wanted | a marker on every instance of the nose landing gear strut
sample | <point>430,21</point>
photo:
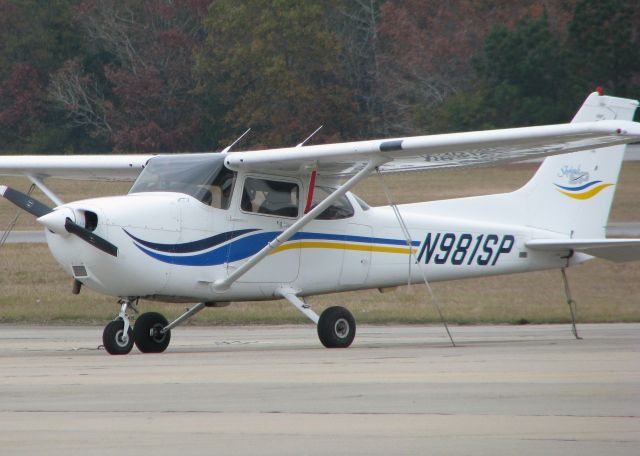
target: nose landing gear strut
<point>117,336</point>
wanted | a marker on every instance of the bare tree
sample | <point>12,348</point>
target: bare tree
<point>81,98</point>
<point>358,28</point>
<point>143,58</point>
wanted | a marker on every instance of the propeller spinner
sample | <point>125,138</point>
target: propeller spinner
<point>58,221</point>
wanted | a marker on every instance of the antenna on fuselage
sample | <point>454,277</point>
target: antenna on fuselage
<point>228,148</point>
<point>310,136</point>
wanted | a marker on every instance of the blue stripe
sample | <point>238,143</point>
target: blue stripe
<point>242,248</point>
<point>577,189</point>
<point>194,246</point>
<point>343,237</point>
<point>234,251</point>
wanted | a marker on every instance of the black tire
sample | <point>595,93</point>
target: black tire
<point>113,341</point>
<point>336,327</point>
<point>147,335</point>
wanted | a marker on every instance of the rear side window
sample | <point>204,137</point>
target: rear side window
<point>270,197</point>
<point>340,209</point>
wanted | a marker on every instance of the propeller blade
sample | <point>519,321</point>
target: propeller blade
<point>91,238</point>
<point>24,201</point>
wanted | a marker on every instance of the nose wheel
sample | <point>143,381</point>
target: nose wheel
<point>117,340</point>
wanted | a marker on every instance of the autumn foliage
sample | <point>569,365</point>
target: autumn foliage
<point>191,75</point>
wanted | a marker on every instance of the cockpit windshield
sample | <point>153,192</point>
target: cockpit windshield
<point>202,176</point>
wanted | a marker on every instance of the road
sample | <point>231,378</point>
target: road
<point>274,390</point>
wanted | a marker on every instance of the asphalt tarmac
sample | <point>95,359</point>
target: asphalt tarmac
<point>523,390</point>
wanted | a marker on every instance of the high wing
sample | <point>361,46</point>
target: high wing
<point>81,167</point>
<point>452,150</point>
<point>602,121</point>
<point>618,250</point>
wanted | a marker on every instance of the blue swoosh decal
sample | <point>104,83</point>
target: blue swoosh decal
<point>234,251</point>
<point>194,246</point>
<point>240,248</point>
<point>577,189</point>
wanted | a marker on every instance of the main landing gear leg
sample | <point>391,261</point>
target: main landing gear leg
<point>336,325</point>
<point>117,336</point>
<point>152,332</point>
<point>571,303</point>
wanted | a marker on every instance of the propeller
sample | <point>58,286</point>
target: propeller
<point>56,220</point>
<point>24,201</point>
<point>87,236</point>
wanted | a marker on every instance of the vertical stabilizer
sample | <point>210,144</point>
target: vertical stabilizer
<point>572,193</point>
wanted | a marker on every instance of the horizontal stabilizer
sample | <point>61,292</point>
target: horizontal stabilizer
<point>610,249</point>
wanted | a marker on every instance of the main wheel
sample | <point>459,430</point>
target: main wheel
<point>336,327</point>
<point>148,335</point>
<point>115,341</point>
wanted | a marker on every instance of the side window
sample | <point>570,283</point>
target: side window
<point>218,194</point>
<point>270,197</point>
<point>340,209</point>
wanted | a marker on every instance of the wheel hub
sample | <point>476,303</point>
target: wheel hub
<point>122,339</point>
<point>341,328</point>
<point>156,333</point>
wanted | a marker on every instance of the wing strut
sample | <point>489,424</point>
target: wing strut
<point>224,284</point>
<point>46,190</point>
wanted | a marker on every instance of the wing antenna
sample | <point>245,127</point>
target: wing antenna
<point>310,136</point>
<point>228,148</point>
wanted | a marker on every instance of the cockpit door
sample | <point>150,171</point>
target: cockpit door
<point>267,206</point>
<point>356,261</point>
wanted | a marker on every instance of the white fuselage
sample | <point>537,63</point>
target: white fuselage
<point>173,247</point>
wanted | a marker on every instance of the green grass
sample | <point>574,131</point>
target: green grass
<point>33,288</point>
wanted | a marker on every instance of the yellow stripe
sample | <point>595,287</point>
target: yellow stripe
<point>342,246</point>
<point>586,195</point>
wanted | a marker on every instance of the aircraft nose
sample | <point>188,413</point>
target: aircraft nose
<point>55,220</point>
<point>63,221</point>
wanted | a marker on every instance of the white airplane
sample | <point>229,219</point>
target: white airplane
<point>214,228</point>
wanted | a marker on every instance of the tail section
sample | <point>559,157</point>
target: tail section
<point>572,193</point>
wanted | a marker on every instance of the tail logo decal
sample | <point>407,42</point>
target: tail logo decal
<point>584,191</point>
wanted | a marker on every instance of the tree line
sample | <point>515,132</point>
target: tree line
<point>84,76</point>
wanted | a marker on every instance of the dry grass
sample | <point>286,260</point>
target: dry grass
<point>34,289</point>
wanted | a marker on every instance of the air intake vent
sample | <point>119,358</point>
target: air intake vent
<point>79,271</point>
<point>90,220</point>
